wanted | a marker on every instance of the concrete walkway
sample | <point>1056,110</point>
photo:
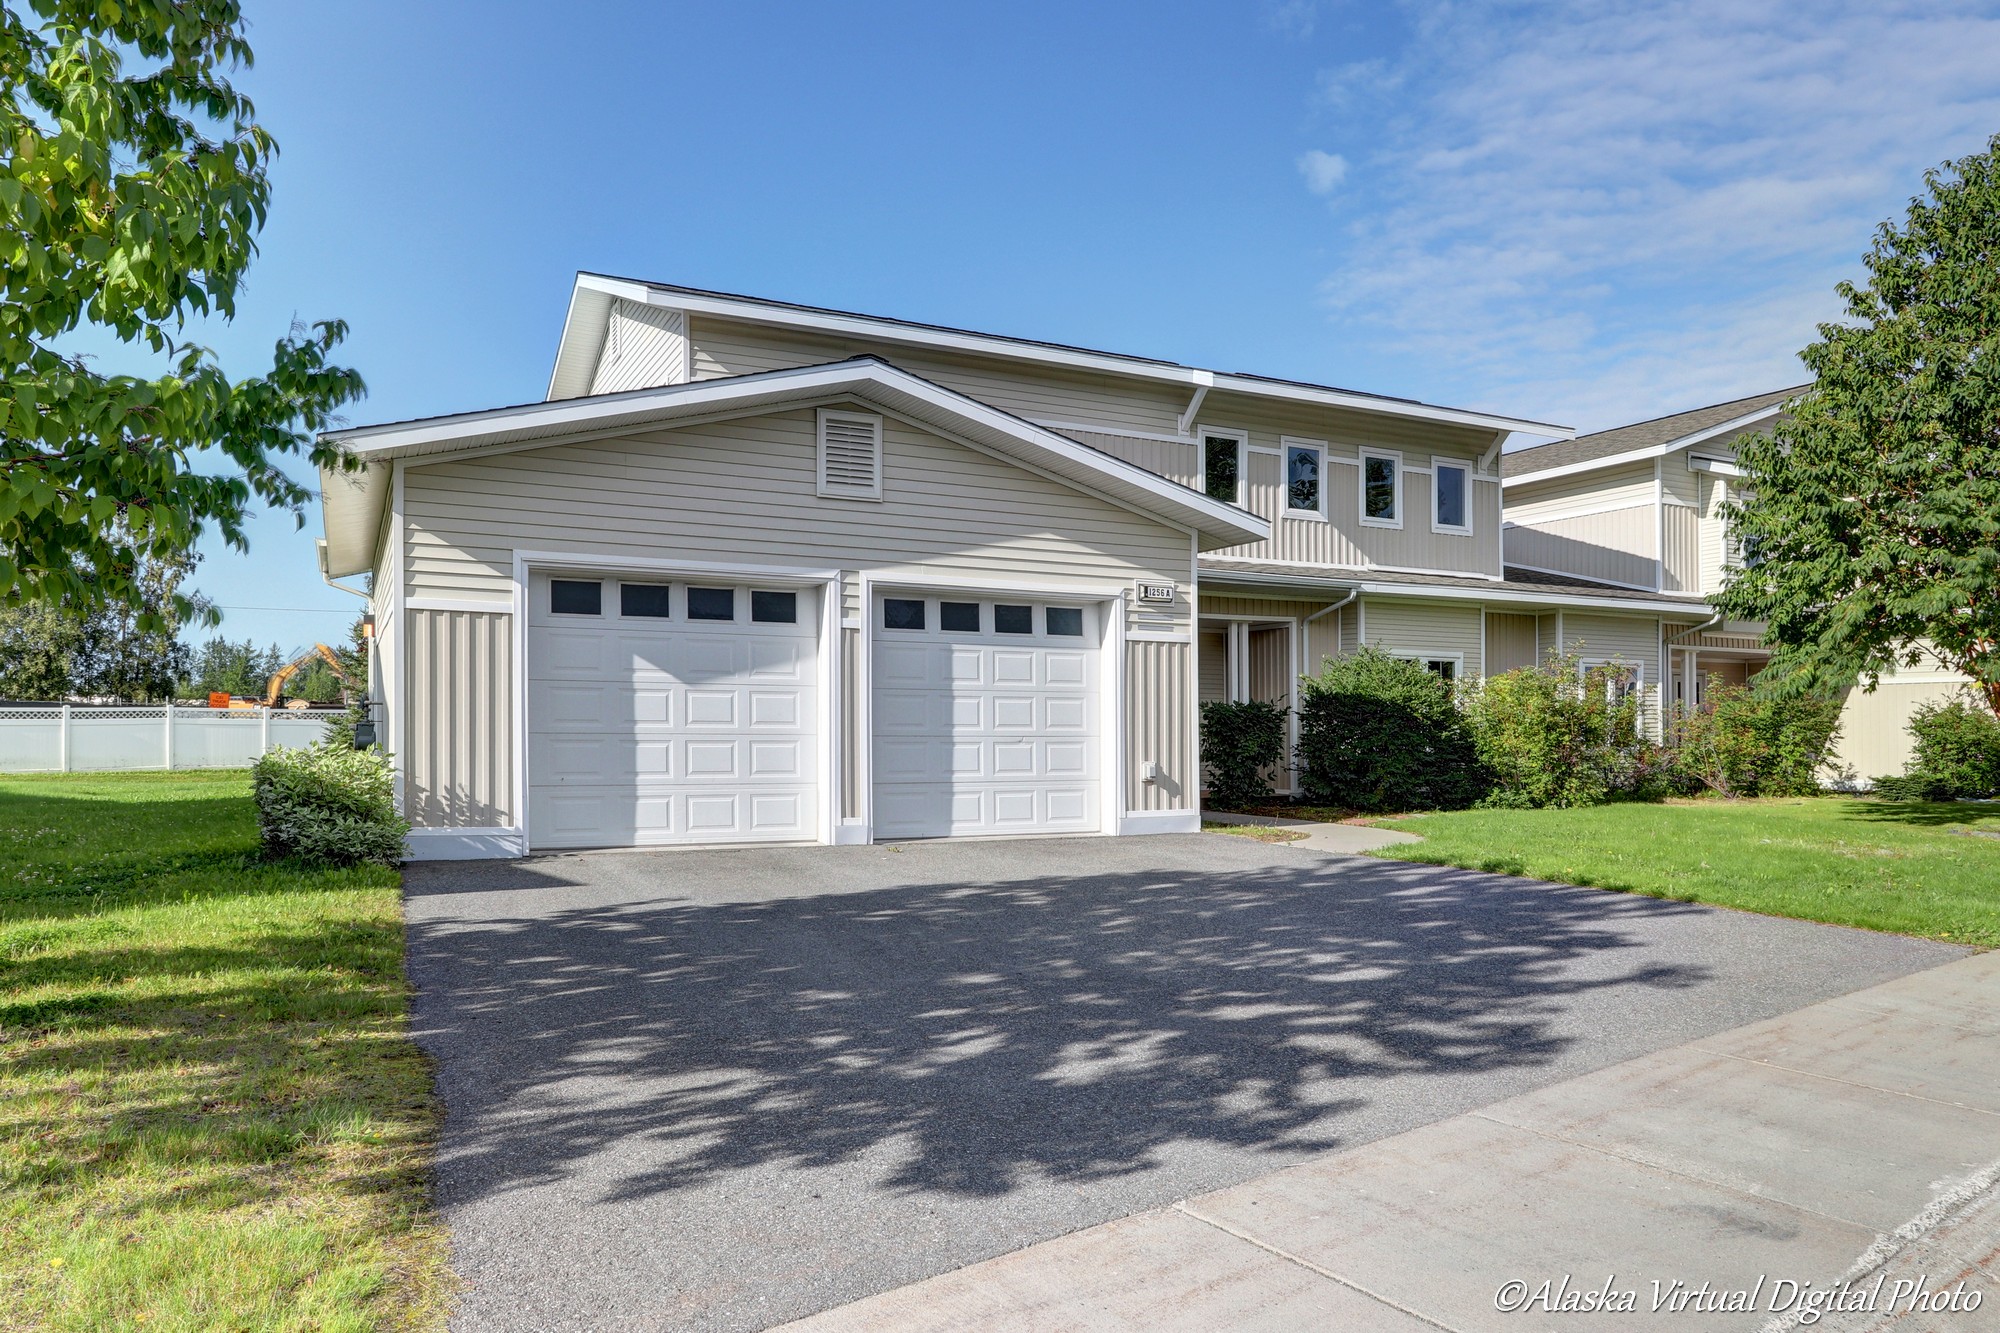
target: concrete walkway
<point>1342,839</point>
<point>1855,1141</point>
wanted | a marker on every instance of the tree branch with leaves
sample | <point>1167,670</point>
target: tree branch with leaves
<point>135,183</point>
<point>1873,505</point>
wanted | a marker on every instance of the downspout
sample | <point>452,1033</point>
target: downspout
<point>1305,626</point>
<point>1692,680</point>
<point>327,578</point>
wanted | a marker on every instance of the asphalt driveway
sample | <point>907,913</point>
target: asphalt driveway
<point>718,1090</point>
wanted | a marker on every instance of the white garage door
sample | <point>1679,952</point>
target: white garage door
<point>986,717</point>
<point>670,712</point>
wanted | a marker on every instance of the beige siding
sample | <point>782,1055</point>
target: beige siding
<point>1712,541</point>
<point>1634,639</point>
<point>456,757</point>
<point>745,490</point>
<point>1607,488</point>
<point>1214,666</point>
<point>1411,628</point>
<point>1041,393</point>
<point>1273,608</point>
<point>1682,566</point>
<point>644,347</point>
<point>1545,635</point>
<point>1510,642</point>
<point>1875,737</point>
<point>1615,547</point>
<point>1177,460</point>
<point>1271,664</point>
<point>1159,726</point>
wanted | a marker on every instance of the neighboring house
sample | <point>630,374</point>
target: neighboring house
<point>758,571</point>
<point>1640,507</point>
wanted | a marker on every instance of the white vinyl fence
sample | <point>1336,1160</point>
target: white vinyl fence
<point>60,738</point>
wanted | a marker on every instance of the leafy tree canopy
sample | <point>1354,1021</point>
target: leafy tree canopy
<point>48,654</point>
<point>134,183</point>
<point>1873,513</point>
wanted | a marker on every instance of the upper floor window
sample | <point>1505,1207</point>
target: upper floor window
<point>1305,490</point>
<point>1451,485</point>
<point>1222,466</point>
<point>1381,489</point>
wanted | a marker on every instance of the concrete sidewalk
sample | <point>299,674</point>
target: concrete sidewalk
<point>1341,839</point>
<point>1855,1141</point>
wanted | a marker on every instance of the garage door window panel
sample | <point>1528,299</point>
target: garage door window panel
<point>902,613</point>
<point>576,597</point>
<point>711,603</point>
<point>774,608</point>
<point>645,600</point>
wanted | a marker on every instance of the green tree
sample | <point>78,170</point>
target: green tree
<point>134,184</point>
<point>1873,507</point>
<point>220,666</point>
<point>47,653</point>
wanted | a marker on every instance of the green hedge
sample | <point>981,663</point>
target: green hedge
<point>328,804</point>
<point>1238,742</point>
<point>1956,755</point>
<point>1382,734</point>
<point>1553,735</point>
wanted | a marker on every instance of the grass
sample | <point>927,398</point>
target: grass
<point>1254,832</point>
<point>1280,808</point>
<point>211,1116</point>
<point>1915,869</point>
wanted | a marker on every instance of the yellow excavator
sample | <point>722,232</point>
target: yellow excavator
<point>276,689</point>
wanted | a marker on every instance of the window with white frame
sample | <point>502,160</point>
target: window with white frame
<point>1381,489</point>
<point>1305,479</point>
<point>1451,496</point>
<point>1222,465</point>
<point>1624,682</point>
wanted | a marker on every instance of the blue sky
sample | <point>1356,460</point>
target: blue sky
<point>1586,213</point>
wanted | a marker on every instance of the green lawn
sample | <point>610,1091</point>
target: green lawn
<point>1931,870</point>
<point>211,1116</point>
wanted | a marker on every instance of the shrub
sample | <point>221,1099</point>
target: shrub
<point>1956,755</point>
<point>1238,742</point>
<point>1555,735</point>
<point>1743,742</point>
<point>1382,733</point>
<point>329,805</point>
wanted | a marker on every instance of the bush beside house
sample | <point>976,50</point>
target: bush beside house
<point>1956,755</point>
<point>1560,735</point>
<point>1743,742</point>
<point>329,804</point>
<point>1240,742</point>
<point>1380,733</point>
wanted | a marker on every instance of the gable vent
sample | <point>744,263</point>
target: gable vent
<point>850,455</point>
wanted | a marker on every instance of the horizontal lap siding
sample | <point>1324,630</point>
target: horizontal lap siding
<point>1710,545</point>
<point>1215,604</point>
<point>745,491</point>
<point>1174,460</point>
<point>1414,627</point>
<point>1607,488</point>
<point>1159,725</point>
<point>726,347</point>
<point>456,758</point>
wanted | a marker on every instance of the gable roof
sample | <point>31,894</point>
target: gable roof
<point>594,294</point>
<point>352,501</point>
<point>1644,439</point>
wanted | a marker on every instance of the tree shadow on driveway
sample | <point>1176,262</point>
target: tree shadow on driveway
<point>1039,1026</point>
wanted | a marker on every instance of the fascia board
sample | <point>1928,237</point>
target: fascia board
<point>1651,451</point>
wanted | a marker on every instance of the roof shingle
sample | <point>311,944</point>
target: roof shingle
<point>1639,435</point>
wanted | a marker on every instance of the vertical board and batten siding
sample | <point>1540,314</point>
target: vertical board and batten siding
<point>457,754</point>
<point>746,491</point>
<point>1270,676</point>
<point>1612,547</point>
<point>1712,549</point>
<point>1511,642</point>
<point>644,347</point>
<point>722,347</point>
<point>1413,628</point>
<point>1160,725</point>
<point>1680,569</point>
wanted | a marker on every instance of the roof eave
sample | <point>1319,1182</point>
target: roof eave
<point>1648,452</point>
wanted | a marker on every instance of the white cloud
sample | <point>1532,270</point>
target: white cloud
<point>1323,171</point>
<point>1293,18</point>
<point>1596,211</point>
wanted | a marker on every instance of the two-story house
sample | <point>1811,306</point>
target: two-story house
<point>1641,507</point>
<point>758,571</point>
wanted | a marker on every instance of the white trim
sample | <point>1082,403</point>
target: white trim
<point>1361,569</point>
<point>1659,525</point>
<point>478,606</point>
<point>1650,451</point>
<point>1286,444</point>
<point>888,330</point>
<point>1202,435</point>
<point>1202,381</point>
<point>1156,636</point>
<point>1475,595</point>
<point>1395,456</point>
<point>1721,467</point>
<point>395,680</point>
<point>1439,463</point>
<point>1265,449</point>
<point>1557,511</point>
<point>1429,655</point>
<point>1159,821</point>
<point>467,844</point>
<point>821,419</point>
<point>931,583</point>
<point>623,564</point>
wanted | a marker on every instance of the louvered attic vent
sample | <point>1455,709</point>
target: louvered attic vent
<point>850,455</point>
